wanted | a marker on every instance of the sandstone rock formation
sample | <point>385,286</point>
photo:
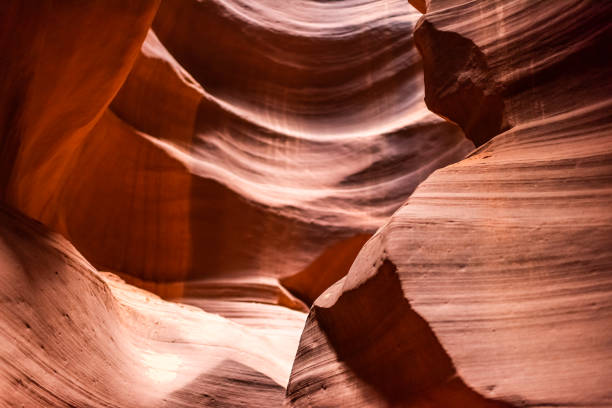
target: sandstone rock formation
<point>181,182</point>
<point>308,135</point>
<point>201,151</point>
<point>491,285</point>
<point>72,336</point>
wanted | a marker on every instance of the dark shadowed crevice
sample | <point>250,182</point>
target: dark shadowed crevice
<point>420,5</point>
<point>458,83</point>
<point>325,270</point>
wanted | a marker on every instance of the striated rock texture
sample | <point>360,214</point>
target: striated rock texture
<point>220,165</point>
<point>519,63</point>
<point>71,336</point>
<point>205,152</point>
<point>292,132</point>
<point>492,284</point>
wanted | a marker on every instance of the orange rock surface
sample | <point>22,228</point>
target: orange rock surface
<point>492,284</point>
<point>202,152</point>
<point>184,186</point>
<point>72,336</point>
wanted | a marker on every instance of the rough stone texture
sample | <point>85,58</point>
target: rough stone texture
<point>502,262</point>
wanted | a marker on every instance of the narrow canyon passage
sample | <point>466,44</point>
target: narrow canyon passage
<point>306,203</point>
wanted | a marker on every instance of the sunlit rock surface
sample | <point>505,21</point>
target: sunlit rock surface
<point>181,180</point>
<point>245,141</point>
<point>492,284</point>
<point>72,336</point>
<point>206,152</point>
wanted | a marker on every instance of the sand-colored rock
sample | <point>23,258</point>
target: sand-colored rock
<point>491,284</point>
<point>201,168</point>
<point>72,336</point>
<point>233,157</point>
<point>269,168</point>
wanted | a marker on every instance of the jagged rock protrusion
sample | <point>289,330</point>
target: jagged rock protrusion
<point>502,63</point>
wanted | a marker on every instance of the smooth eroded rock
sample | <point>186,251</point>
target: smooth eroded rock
<point>502,260</point>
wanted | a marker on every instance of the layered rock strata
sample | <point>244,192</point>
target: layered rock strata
<point>491,284</point>
<point>202,151</point>
<point>308,135</point>
<point>72,336</point>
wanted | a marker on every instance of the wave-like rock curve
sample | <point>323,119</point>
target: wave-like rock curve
<point>204,151</point>
<point>72,336</point>
<point>491,284</point>
<point>305,126</point>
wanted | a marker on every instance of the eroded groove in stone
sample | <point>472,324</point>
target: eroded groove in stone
<point>297,125</point>
<point>222,153</point>
<point>204,151</point>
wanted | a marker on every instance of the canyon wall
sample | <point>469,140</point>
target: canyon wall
<point>491,284</point>
<point>205,152</point>
<point>233,125</point>
<point>185,184</point>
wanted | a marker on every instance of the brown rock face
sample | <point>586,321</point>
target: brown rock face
<point>309,137</point>
<point>61,70</point>
<point>416,371</point>
<point>502,64</point>
<point>220,165</point>
<point>493,279</point>
<point>202,151</point>
<point>72,336</point>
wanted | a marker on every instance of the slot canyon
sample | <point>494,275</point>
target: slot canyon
<point>306,203</point>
